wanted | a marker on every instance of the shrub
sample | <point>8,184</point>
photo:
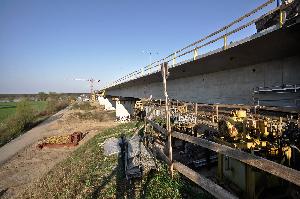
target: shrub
<point>97,116</point>
<point>56,105</point>
<point>42,96</point>
<point>83,106</point>
<point>26,117</point>
<point>22,119</point>
<point>51,106</point>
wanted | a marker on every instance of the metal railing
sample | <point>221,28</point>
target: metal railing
<point>194,47</point>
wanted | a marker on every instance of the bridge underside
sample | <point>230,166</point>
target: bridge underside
<point>231,76</point>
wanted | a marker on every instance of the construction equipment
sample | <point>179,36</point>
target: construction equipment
<point>139,109</point>
<point>270,138</point>
<point>91,81</point>
<point>287,14</point>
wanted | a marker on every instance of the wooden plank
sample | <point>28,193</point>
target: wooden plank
<point>161,155</point>
<point>208,123</point>
<point>157,127</point>
<point>200,180</point>
<point>271,167</point>
<point>211,187</point>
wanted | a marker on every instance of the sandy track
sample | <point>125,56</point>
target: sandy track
<point>23,163</point>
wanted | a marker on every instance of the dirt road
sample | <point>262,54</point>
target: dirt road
<point>23,163</point>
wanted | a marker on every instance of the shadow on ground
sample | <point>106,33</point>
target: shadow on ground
<point>124,188</point>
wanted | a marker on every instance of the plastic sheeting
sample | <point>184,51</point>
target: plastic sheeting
<point>111,146</point>
<point>138,160</point>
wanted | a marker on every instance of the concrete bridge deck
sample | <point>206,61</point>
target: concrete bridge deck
<point>230,76</point>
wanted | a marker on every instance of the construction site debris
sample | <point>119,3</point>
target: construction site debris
<point>61,140</point>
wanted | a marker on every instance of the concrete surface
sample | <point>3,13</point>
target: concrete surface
<point>229,76</point>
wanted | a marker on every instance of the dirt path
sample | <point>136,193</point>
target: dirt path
<point>25,163</point>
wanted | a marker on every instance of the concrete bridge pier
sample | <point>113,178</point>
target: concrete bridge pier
<point>107,102</point>
<point>124,108</point>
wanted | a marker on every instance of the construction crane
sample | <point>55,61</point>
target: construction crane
<point>91,81</point>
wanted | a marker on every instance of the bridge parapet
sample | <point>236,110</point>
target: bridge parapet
<point>192,50</point>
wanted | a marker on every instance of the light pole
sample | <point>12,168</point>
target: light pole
<point>150,55</point>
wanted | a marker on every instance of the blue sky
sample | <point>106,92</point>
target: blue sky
<point>44,45</point>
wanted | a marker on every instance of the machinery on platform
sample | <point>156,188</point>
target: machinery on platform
<point>139,111</point>
<point>274,139</point>
<point>182,119</point>
<point>269,133</point>
<point>287,15</point>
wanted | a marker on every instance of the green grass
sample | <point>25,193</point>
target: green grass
<point>87,173</point>
<point>18,117</point>
<point>39,105</point>
<point>8,109</point>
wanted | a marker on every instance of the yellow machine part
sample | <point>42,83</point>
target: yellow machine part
<point>139,106</point>
<point>93,97</point>
<point>182,109</point>
<point>241,113</point>
<point>287,151</point>
<point>273,151</point>
<point>227,129</point>
<point>263,127</point>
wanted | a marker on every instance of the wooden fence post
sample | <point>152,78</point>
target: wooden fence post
<point>164,70</point>
<point>217,112</point>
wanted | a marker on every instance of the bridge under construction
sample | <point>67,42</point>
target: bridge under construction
<point>236,105</point>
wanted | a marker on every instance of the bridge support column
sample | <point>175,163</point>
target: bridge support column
<point>107,102</point>
<point>124,108</point>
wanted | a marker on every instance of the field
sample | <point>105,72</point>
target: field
<point>18,117</point>
<point>9,108</point>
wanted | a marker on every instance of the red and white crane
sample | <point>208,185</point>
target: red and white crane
<point>91,81</point>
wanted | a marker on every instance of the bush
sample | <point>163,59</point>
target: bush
<point>95,115</point>
<point>55,105</point>
<point>83,106</point>
<point>20,121</point>
<point>26,117</point>
<point>51,106</point>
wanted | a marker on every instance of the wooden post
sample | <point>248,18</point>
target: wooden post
<point>250,182</point>
<point>196,112</point>
<point>217,112</point>
<point>168,122</point>
<point>220,166</point>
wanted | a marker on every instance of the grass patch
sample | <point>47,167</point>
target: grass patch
<point>96,115</point>
<point>87,173</point>
<point>83,106</point>
<point>18,117</point>
<point>160,185</point>
<point>8,109</point>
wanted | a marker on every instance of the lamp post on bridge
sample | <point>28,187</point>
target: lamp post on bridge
<point>150,55</point>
